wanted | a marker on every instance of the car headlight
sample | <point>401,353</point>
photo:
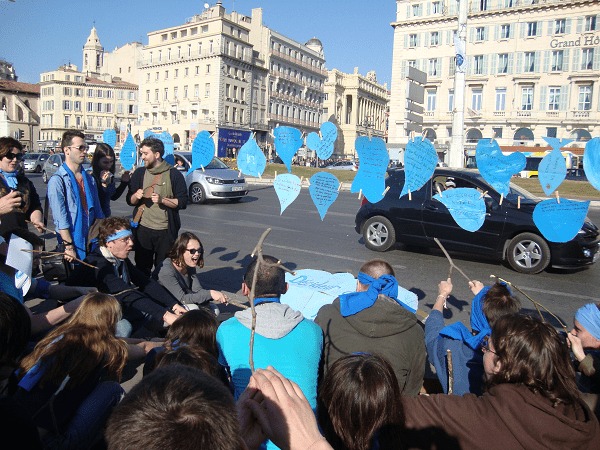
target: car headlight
<point>213,180</point>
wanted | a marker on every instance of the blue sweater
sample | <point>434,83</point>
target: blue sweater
<point>467,364</point>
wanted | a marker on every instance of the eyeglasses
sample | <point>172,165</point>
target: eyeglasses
<point>81,148</point>
<point>124,239</point>
<point>485,347</point>
<point>10,156</point>
<point>194,250</point>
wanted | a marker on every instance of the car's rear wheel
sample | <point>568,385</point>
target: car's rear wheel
<point>197,193</point>
<point>379,234</point>
<point>528,253</point>
<point>44,177</point>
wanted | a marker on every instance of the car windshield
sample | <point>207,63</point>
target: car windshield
<point>31,156</point>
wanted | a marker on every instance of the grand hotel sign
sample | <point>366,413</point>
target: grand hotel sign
<point>581,41</point>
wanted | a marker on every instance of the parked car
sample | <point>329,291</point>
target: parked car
<point>216,181</point>
<point>343,165</point>
<point>52,164</point>
<point>33,162</point>
<point>576,174</point>
<point>508,232</point>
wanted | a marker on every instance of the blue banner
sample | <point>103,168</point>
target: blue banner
<point>231,139</point>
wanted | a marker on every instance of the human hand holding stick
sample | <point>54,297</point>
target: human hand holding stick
<point>450,261</point>
<point>58,253</point>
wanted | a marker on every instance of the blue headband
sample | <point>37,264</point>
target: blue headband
<point>589,318</point>
<point>118,235</point>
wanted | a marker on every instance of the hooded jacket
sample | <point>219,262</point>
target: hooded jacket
<point>508,416</point>
<point>386,329</point>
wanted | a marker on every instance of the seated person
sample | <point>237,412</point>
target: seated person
<point>177,273</point>
<point>450,184</point>
<point>489,304</point>
<point>372,320</point>
<point>586,335</point>
<point>141,297</point>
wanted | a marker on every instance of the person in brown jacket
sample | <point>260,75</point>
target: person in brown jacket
<point>531,399</point>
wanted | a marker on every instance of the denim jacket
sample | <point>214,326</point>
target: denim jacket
<point>63,202</point>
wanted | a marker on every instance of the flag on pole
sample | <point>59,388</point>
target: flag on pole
<point>461,54</point>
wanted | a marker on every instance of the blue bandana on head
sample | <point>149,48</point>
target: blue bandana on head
<point>589,318</point>
<point>10,178</point>
<point>479,324</point>
<point>118,235</point>
<point>355,302</point>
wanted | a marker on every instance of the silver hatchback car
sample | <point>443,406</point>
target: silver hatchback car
<point>33,162</point>
<point>52,164</point>
<point>216,181</point>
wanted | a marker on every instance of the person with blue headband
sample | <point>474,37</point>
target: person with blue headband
<point>378,319</point>
<point>586,335</point>
<point>489,303</point>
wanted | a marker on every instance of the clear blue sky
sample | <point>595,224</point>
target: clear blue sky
<point>40,35</point>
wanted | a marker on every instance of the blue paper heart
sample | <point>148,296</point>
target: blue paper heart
<point>465,206</point>
<point>420,159</point>
<point>251,160</point>
<point>287,187</point>
<point>323,146</point>
<point>591,162</point>
<point>109,137</point>
<point>167,141</point>
<point>496,168</point>
<point>374,159</point>
<point>203,151</point>
<point>323,191</point>
<point>287,142</point>
<point>560,222</point>
<point>128,153</point>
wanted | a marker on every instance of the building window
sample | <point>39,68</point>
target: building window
<point>479,33</point>
<point>156,95</point>
<point>205,28</point>
<point>187,71</point>
<point>478,65</point>
<point>156,77</point>
<point>529,62</point>
<point>163,37</point>
<point>503,63</point>
<point>527,99</point>
<point>432,68</point>
<point>498,132</point>
<point>166,97</point>
<point>159,55</point>
<point>505,31</point>
<point>412,40</point>
<point>551,131</point>
<point>431,96</point>
<point>451,100</point>
<point>587,58</point>
<point>207,90</point>
<point>531,29</point>
<point>560,26</point>
<point>176,73</point>
<point>476,99</point>
<point>185,91</point>
<point>554,99</point>
<point>196,90</point>
<point>166,74</point>
<point>227,90</point>
<point>557,60</point>
<point>208,68</point>
<point>436,7</point>
<point>67,105</point>
<point>148,95</point>
<point>412,63</point>
<point>197,70</point>
<point>435,38</point>
<point>234,114</point>
<point>77,106</point>
<point>416,10</point>
<point>500,99</point>
<point>590,23</point>
<point>175,92</point>
<point>585,98</point>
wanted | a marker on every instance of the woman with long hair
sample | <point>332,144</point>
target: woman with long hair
<point>103,170</point>
<point>359,404</point>
<point>530,401</point>
<point>177,273</point>
<point>62,382</point>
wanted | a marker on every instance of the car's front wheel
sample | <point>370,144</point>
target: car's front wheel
<point>197,193</point>
<point>528,253</point>
<point>38,169</point>
<point>44,177</point>
<point>379,234</point>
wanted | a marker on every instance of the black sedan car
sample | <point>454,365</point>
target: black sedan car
<point>508,232</point>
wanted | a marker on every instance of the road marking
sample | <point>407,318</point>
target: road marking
<point>283,247</point>
<point>563,294</point>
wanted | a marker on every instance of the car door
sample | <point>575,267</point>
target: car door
<point>404,213</point>
<point>438,222</point>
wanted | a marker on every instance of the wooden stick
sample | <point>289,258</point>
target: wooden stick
<point>409,196</point>
<point>482,195</point>
<point>557,197</point>
<point>239,305</point>
<point>386,189</point>
<point>437,241</point>
<point>43,227</point>
<point>450,371</point>
<point>518,202</point>
<point>359,193</point>
<point>493,137</point>
<point>501,198</point>
<point>57,253</point>
<point>437,186</point>
<point>202,168</point>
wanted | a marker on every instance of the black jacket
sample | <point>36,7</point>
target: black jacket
<point>150,297</point>
<point>31,203</point>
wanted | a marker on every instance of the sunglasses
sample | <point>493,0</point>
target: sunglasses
<point>485,347</point>
<point>10,156</point>
<point>193,251</point>
<point>81,148</point>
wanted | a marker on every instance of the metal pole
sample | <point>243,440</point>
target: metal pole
<point>457,156</point>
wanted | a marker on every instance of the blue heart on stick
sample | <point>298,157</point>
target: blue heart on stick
<point>323,145</point>
<point>560,222</point>
<point>251,160</point>
<point>465,206</point>
<point>323,191</point>
<point>496,168</point>
<point>287,187</point>
<point>374,159</point>
<point>287,142</point>
<point>128,153</point>
<point>553,168</point>
<point>167,141</point>
<point>420,159</point>
<point>591,162</point>
<point>109,137</point>
<point>203,151</point>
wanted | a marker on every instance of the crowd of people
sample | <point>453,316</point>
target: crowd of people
<point>351,379</point>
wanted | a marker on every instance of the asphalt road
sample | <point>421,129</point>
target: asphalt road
<point>229,232</point>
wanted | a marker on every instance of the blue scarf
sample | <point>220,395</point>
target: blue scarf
<point>479,324</point>
<point>10,178</point>
<point>589,318</point>
<point>82,224</point>
<point>266,299</point>
<point>355,302</point>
